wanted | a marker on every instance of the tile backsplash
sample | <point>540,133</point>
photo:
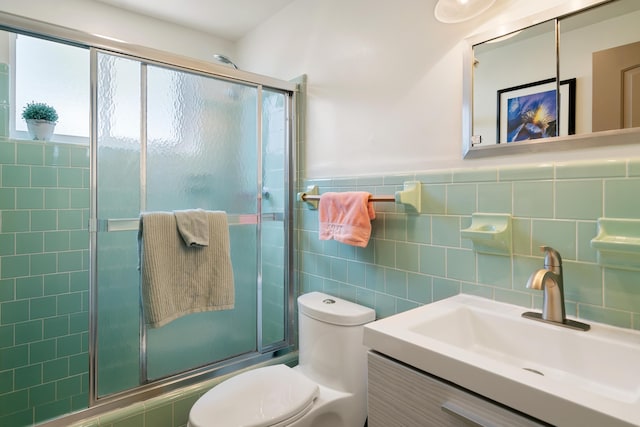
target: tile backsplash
<point>414,259</point>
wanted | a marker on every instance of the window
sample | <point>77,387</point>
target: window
<point>56,74</point>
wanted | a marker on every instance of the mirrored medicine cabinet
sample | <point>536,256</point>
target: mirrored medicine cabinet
<point>563,79</point>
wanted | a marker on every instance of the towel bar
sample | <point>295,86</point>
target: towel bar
<point>410,195</point>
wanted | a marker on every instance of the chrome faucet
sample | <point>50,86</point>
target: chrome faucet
<point>549,279</point>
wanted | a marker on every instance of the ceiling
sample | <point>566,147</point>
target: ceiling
<point>229,19</point>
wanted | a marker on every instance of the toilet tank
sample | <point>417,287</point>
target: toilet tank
<point>330,332</point>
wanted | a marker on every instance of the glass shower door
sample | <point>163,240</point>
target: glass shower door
<point>167,140</point>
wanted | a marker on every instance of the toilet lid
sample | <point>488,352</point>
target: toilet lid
<point>257,398</point>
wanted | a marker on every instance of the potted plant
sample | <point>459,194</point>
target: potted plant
<point>41,120</point>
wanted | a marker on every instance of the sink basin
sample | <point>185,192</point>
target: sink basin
<point>558,375</point>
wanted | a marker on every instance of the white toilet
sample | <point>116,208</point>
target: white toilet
<point>328,388</point>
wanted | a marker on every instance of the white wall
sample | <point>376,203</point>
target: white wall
<point>385,92</point>
<point>101,19</point>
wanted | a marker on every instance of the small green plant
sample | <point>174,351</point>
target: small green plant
<point>39,111</point>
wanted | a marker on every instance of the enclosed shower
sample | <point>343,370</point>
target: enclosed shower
<point>166,133</point>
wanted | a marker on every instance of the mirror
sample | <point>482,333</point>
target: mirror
<point>513,103</point>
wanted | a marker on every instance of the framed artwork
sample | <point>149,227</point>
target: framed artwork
<point>529,111</point>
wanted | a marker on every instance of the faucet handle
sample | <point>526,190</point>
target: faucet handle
<point>552,257</point>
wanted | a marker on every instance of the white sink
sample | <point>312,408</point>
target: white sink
<point>559,375</point>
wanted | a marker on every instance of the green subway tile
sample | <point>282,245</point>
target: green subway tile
<point>7,244</point>
<point>356,273</point>
<point>461,264</point>
<point>634,167</point>
<point>600,169</point>
<point>433,261</point>
<point>14,221</point>
<point>79,281</point>
<point>43,351</point>
<point>618,198</point>
<point>582,282</point>
<point>404,305</point>
<point>70,178</point>
<point>30,154</point>
<point>369,181</point>
<point>579,199</point>
<point>28,376</point>
<point>523,268</point>
<point>57,198</point>
<point>52,409</point>
<point>586,232</point>
<point>396,179</point>
<point>396,283</point>
<point>475,175</point>
<point>41,394</point>
<point>29,243</point>
<point>14,357</point>
<point>29,287</point>
<point>522,299</point>
<point>521,236</point>
<point>395,227</point>
<point>445,288</point>
<point>385,306</point>
<point>6,340</point>
<point>495,197</point>
<point>533,199</point>
<point>44,176</point>
<point>79,239</point>
<point>15,176</point>
<point>55,327</point>
<point>79,199</point>
<point>27,332</point>
<point>80,157</point>
<point>68,387</point>
<point>477,290</point>
<point>6,382</point>
<point>445,230</point>
<point>29,198</point>
<point>21,418</point>
<point>7,198</point>
<point>69,303</point>
<point>72,261</point>
<point>55,284</point>
<point>419,288</point>
<point>560,235</point>
<point>43,263</point>
<point>461,199</point>
<point>407,256</point>
<point>604,315</point>
<point>69,220</point>
<point>7,152</point>
<point>57,155</point>
<point>42,307</point>
<point>79,364</point>
<point>55,369</point>
<point>7,290</point>
<point>56,241</point>
<point>385,253</point>
<point>434,199</point>
<point>45,220</point>
<point>159,417</point>
<point>419,229</point>
<point>79,402</point>
<point>365,297</point>
<point>435,177</point>
<point>494,270</point>
<point>338,269</point>
<point>14,402</point>
<point>621,289</point>
<point>375,278</point>
<point>525,173</point>
<point>79,322</point>
<point>14,266</point>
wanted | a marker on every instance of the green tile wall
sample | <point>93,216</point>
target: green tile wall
<point>415,259</point>
<point>44,281</point>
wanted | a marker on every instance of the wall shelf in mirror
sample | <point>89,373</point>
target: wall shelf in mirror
<point>565,43</point>
<point>490,233</point>
<point>618,243</point>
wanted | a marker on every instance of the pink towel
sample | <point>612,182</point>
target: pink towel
<point>346,217</point>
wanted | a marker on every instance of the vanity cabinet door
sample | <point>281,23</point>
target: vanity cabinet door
<point>399,395</point>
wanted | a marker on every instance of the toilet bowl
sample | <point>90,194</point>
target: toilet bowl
<point>326,389</point>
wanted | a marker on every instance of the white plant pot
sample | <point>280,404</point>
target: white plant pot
<point>40,130</point>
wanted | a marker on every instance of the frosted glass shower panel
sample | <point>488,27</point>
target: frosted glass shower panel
<point>202,143</point>
<point>118,193</point>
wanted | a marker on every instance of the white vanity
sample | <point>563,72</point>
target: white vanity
<point>472,361</point>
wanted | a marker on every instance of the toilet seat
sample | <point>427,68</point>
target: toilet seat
<point>268,396</point>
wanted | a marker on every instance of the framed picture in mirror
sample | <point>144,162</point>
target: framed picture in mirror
<point>529,111</point>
